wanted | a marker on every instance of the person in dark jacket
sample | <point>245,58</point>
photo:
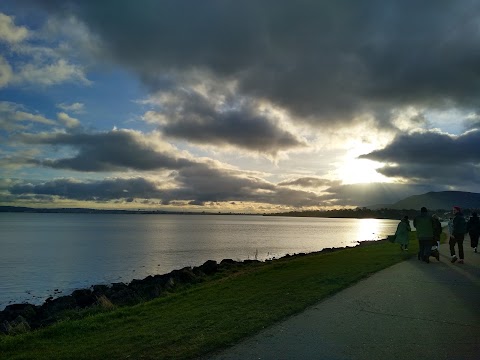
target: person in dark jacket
<point>424,226</point>
<point>473,228</point>
<point>458,235</point>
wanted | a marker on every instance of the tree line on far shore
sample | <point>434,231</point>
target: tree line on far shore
<point>363,213</point>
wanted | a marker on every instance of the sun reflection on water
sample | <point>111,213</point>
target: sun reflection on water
<point>367,229</point>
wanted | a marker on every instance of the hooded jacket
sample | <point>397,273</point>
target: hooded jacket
<point>424,225</point>
<point>459,224</point>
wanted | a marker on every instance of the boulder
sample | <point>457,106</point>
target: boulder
<point>99,290</point>
<point>228,262</point>
<point>59,304</point>
<point>11,312</point>
<point>184,276</point>
<point>209,267</point>
<point>84,297</point>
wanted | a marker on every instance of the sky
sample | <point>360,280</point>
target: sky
<point>237,106</point>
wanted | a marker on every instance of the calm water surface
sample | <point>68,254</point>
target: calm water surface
<point>53,254</point>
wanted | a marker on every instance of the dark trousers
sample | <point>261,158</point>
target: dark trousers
<point>456,239</point>
<point>425,247</point>
<point>474,240</point>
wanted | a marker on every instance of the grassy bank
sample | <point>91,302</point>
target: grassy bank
<point>207,316</point>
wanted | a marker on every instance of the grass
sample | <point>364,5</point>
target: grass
<point>207,316</point>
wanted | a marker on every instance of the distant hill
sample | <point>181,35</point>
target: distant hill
<point>436,200</point>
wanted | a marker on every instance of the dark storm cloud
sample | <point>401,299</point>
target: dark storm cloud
<point>458,174</point>
<point>91,190</point>
<point>202,184</point>
<point>430,148</point>
<point>432,156</point>
<point>198,185</point>
<point>192,181</point>
<point>193,116</point>
<point>205,183</point>
<point>319,59</point>
<point>109,151</point>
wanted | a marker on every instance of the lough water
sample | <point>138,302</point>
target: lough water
<point>53,254</point>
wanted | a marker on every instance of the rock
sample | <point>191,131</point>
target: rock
<point>228,262</point>
<point>59,304</point>
<point>83,297</point>
<point>11,312</point>
<point>148,288</point>
<point>118,286</point>
<point>209,267</point>
<point>184,276</point>
<point>22,317</point>
<point>99,290</point>
<point>124,296</point>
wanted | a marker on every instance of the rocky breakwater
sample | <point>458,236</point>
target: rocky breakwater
<point>21,318</point>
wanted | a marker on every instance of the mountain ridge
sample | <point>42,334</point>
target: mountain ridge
<point>435,200</point>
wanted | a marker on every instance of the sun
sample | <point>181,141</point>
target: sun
<point>355,171</point>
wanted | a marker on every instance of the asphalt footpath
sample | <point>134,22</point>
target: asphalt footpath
<point>412,310</point>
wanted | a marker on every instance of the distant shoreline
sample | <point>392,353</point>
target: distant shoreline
<point>358,213</point>
<point>19,209</point>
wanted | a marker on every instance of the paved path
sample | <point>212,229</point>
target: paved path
<point>411,310</point>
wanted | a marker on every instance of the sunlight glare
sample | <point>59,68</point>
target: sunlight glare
<point>354,171</point>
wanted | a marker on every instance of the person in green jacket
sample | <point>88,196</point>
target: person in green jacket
<point>458,234</point>
<point>424,226</point>
<point>401,235</point>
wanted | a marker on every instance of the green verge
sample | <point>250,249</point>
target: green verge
<point>208,316</point>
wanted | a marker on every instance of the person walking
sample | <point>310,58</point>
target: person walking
<point>473,228</point>
<point>402,233</point>
<point>437,232</point>
<point>450,226</point>
<point>458,235</point>
<point>424,225</point>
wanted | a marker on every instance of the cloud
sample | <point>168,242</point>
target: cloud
<point>51,73</point>
<point>67,120</point>
<point>76,107</point>
<point>432,156</point>
<point>17,161</point>
<point>6,73</point>
<point>197,181</point>
<point>323,62</point>
<point>430,147</point>
<point>196,185</point>
<point>30,58</point>
<point>202,184</point>
<point>12,115</point>
<point>9,32</point>
<point>309,182</point>
<point>223,120</point>
<point>101,190</point>
<point>109,151</point>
